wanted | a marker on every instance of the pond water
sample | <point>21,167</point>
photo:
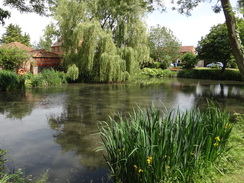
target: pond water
<point>55,128</point>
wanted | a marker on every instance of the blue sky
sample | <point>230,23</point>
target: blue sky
<point>188,30</point>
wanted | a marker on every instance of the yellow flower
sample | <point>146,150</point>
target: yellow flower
<point>192,153</point>
<point>167,166</point>
<point>217,138</point>
<point>140,170</point>
<point>227,125</point>
<point>123,149</point>
<point>215,144</point>
<point>135,167</point>
<point>149,159</point>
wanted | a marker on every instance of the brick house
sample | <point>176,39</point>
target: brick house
<point>57,48</point>
<point>39,60</point>
<point>46,59</point>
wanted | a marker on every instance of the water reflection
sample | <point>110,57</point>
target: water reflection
<point>54,128</point>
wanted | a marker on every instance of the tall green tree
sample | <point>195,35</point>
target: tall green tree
<point>164,46</point>
<point>103,37</point>
<point>215,45</point>
<point>14,33</point>
<point>48,38</point>
<point>185,6</point>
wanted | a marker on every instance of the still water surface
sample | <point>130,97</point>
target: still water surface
<point>53,128</point>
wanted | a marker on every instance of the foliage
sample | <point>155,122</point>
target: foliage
<point>185,6</point>
<point>14,33</point>
<point>215,47</point>
<point>2,160</point>
<point>106,40</point>
<point>214,74</point>
<point>11,58</point>
<point>48,77</point>
<point>230,168</point>
<point>11,81</point>
<point>189,59</point>
<point>73,72</point>
<point>164,46</point>
<point>154,146</point>
<point>7,177</point>
<point>240,6</point>
<point>158,73</point>
<point>37,6</point>
<point>46,40</point>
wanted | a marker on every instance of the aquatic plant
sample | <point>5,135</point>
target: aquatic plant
<point>48,77</point>
<point>11,81</point>
<point>151,145</point>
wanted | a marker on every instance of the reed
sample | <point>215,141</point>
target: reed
<point>48,77</point>
<point>151,146</point>
<point>11,81</point>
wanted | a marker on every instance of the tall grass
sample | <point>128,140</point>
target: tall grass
<point>11,81</point>
<point>152,146</point>
<point>48,77</point>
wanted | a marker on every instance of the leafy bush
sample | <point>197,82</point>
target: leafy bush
<point>154,146</point>
<point>214,74</point>
<point>10,58</point>
<point>11,81</point>
<point>48,77</point>
<point>158,73</point>
<point>189,59</point>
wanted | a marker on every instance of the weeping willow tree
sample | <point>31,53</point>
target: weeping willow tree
<point>105,39</point>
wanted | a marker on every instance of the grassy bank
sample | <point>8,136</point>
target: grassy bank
<point>154,146</point>
<point>231,167</point>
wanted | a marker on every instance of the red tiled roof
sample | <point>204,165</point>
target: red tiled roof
<point>44,53</point>
<point>18,45</point>
<point>184,49</point>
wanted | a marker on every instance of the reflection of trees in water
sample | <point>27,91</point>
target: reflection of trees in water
<point>229,97</point>
<point>87,105</point>
<point>16,105</point>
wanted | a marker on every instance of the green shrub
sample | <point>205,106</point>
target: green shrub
<point>189,59</point>
<point>214,74</point>
<point>158,72</point>
<point>48,77</point>
<point>11,81</point>
<point>154,146</point>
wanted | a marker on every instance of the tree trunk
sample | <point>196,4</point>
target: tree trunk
<point>235,41</point>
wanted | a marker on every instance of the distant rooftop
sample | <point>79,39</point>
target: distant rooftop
<point>184,49</point>
<point>18,45</point>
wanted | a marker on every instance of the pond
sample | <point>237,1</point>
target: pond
<point>55,128</point>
